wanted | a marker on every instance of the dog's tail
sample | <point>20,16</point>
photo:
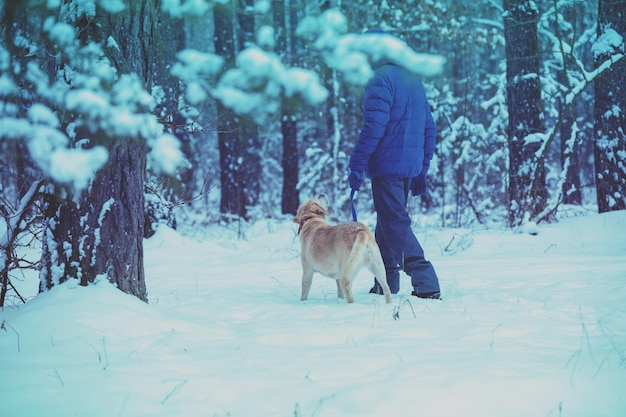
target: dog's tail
<point>373,260</point>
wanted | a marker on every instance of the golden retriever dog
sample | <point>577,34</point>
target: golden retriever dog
<point>337,252</point>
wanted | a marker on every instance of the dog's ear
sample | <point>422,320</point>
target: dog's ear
<point>298,215</point>
<point>324,202</point>
<point>320,209</point>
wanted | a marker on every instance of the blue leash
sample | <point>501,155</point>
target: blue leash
<point>352,205</point>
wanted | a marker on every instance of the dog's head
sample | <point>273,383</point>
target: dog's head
<point>314,207</point>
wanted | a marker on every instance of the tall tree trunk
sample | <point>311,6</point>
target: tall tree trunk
<point>290,199</point>
<point>525,110</point>
<point>199,35</point>
<point>610,115</point>
<point>116,208</point>
<point>569,155</point>
<point>570,162</point>
<point>99,232</point>
<point>232,199</point>
<point>249,133</point>
<point>61,235</point>
<point>285,20</point>
<point>165,39</point>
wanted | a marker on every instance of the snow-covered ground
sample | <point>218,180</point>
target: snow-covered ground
<point>530,326</point>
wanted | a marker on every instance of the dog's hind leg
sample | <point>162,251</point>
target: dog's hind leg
<point>346,286</point>
<point>339,290</point>
<point>384,285</point>
<point>374,263</point>
<point>307,280</point>
<point>353,265</point>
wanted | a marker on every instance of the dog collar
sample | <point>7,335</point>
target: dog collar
<point>302,223</point>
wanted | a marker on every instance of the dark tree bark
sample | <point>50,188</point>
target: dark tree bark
<point>610,116</point>
<point>251,171</point>
<point>285,21</point>
<point>60,250</point>
<point>232,199</point>
<point>116,208</point>
<point>290,198</point>
<point>99,232</point>
<point>525,111</point>
<point>571,190</point>
<point>249,133</point>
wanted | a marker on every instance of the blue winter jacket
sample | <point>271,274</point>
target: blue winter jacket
<point>398,131</point>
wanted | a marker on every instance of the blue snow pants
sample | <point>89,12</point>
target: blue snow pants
<point>398,245</point>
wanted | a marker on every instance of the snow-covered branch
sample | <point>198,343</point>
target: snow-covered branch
<point>16,223</point>
<point>260,83</point>
<point>353,54</point>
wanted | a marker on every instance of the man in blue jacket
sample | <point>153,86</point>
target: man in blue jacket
<point>394,148</point>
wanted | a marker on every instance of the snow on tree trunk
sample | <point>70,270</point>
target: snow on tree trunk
<point>62,233</point>
<point>570,162</point>
<point>525,111</point>
<point>117,220</point>
<point>610,111</point>
<point>99,232</point>
<point>16,221</point>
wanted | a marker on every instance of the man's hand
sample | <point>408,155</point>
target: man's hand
<point>418,184</point>
<point>355,179</point>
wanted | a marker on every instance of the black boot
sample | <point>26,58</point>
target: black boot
<point>428,295</point>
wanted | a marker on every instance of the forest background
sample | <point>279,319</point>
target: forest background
<point>115,114</point>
